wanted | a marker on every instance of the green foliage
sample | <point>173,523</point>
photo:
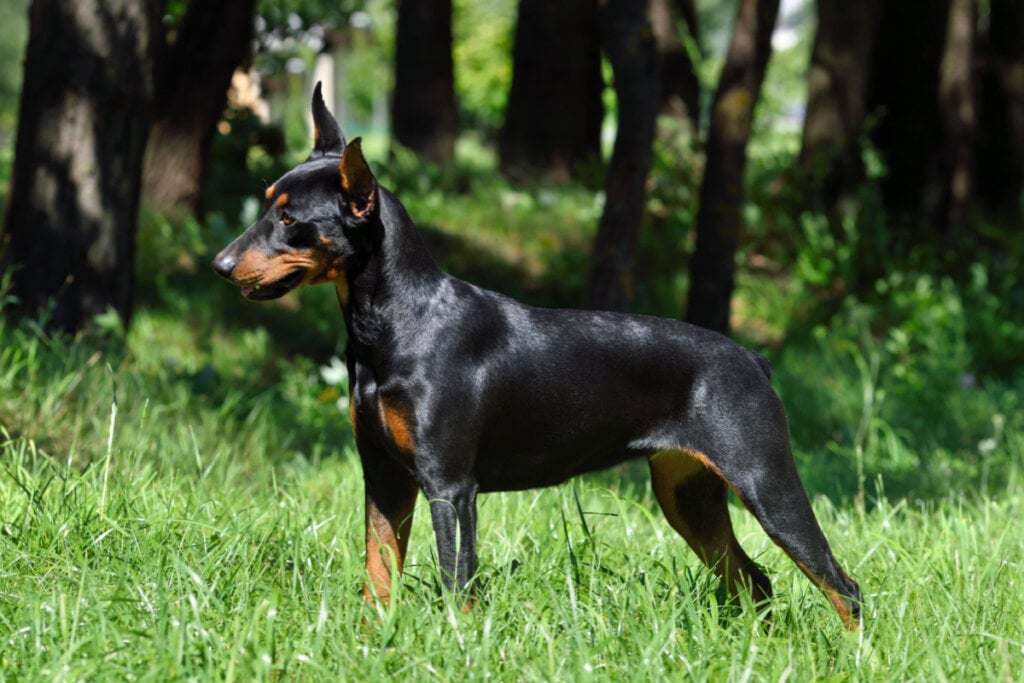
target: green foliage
<point>245,157</point>
<point>669,226</point>
<point>208,525</point>
<point>895,391</point>
<point>290,16</point>
<point>14,16</point>
<point>367,79</point>
<point>529,242</point>
<point>483,34</point>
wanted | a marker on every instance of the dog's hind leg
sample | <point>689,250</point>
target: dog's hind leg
<point>776,497</point>
<point>694,499</point>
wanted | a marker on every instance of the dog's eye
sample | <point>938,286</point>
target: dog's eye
<point>287,219</point>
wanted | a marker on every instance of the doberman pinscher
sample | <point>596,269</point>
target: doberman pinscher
<point>456,390</point>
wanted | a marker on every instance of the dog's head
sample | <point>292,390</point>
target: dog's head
<point>303,236</point>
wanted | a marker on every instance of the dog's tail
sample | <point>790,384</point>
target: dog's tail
<point>761,361</point>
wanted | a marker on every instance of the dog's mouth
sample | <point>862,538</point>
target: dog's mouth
<point>276,289</point>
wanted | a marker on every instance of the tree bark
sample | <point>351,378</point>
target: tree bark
<point>679,94</point>
<point>837,85</point>
<point>212,40</point>
<point>554,111</point>
<point>904,92</point>
<point>82,126</point>
<point>958,109</point>
<point>1000,161</point>
<point>719,217</point>
<point>631,50</point>
<point>423,110</point>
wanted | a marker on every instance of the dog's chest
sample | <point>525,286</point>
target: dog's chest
<point>380,422</point>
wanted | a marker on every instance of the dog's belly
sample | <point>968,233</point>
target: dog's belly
<point>521,471</point>
<point>553,446</point>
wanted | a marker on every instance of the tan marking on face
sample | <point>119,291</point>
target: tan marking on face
<point>270,192</point>
<point>255,268</point>
<point>281,200</point>
<point>331,269</point>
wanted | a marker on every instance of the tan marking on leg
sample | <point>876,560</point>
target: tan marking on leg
<point>387,537</point>
<point>399,426</point>
<point>834,596</point>
<point>712,539</point>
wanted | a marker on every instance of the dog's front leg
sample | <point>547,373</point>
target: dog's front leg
<point>453,512</point>
<point>390,500</point>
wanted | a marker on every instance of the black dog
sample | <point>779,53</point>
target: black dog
<point>456,390</point>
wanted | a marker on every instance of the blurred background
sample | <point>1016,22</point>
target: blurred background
<point>837,184</point>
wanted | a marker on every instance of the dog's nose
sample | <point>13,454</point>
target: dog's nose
<point>224,264</point>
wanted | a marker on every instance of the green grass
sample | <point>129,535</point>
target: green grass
<point>193,550</point>
<point>185,503</point>
<point>208,526</point>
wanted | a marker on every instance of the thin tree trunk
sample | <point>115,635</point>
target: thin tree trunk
<point>554,111</point>
<point>423,109</point>
<point>904,92</point>
<point>85,106</point>
<point>630,48</point>
<point>674,21</point>
<point>1000,162</point>
<point>193,79</point>
<point>837,84</point>
<point>959,118</point>
<point>719,217</point>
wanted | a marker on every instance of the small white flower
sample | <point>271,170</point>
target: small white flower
<point>334,372</point>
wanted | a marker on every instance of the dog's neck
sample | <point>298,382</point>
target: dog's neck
<point>396,270</point>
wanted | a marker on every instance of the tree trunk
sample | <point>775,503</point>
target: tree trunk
<point>958,110</point>
<point>554,111</point>
<point>904,92</point>
<point>192,82</point>
<point>631,50</point>
<point>673,22</point>
<point>719,217</point>
<point>423,109</point>
<point>1000,163</point>
<point>85,106</point>
<point>837,84</point>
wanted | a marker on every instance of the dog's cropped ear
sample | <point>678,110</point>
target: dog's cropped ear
<point>327,137</point>
<point>357,181</point>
